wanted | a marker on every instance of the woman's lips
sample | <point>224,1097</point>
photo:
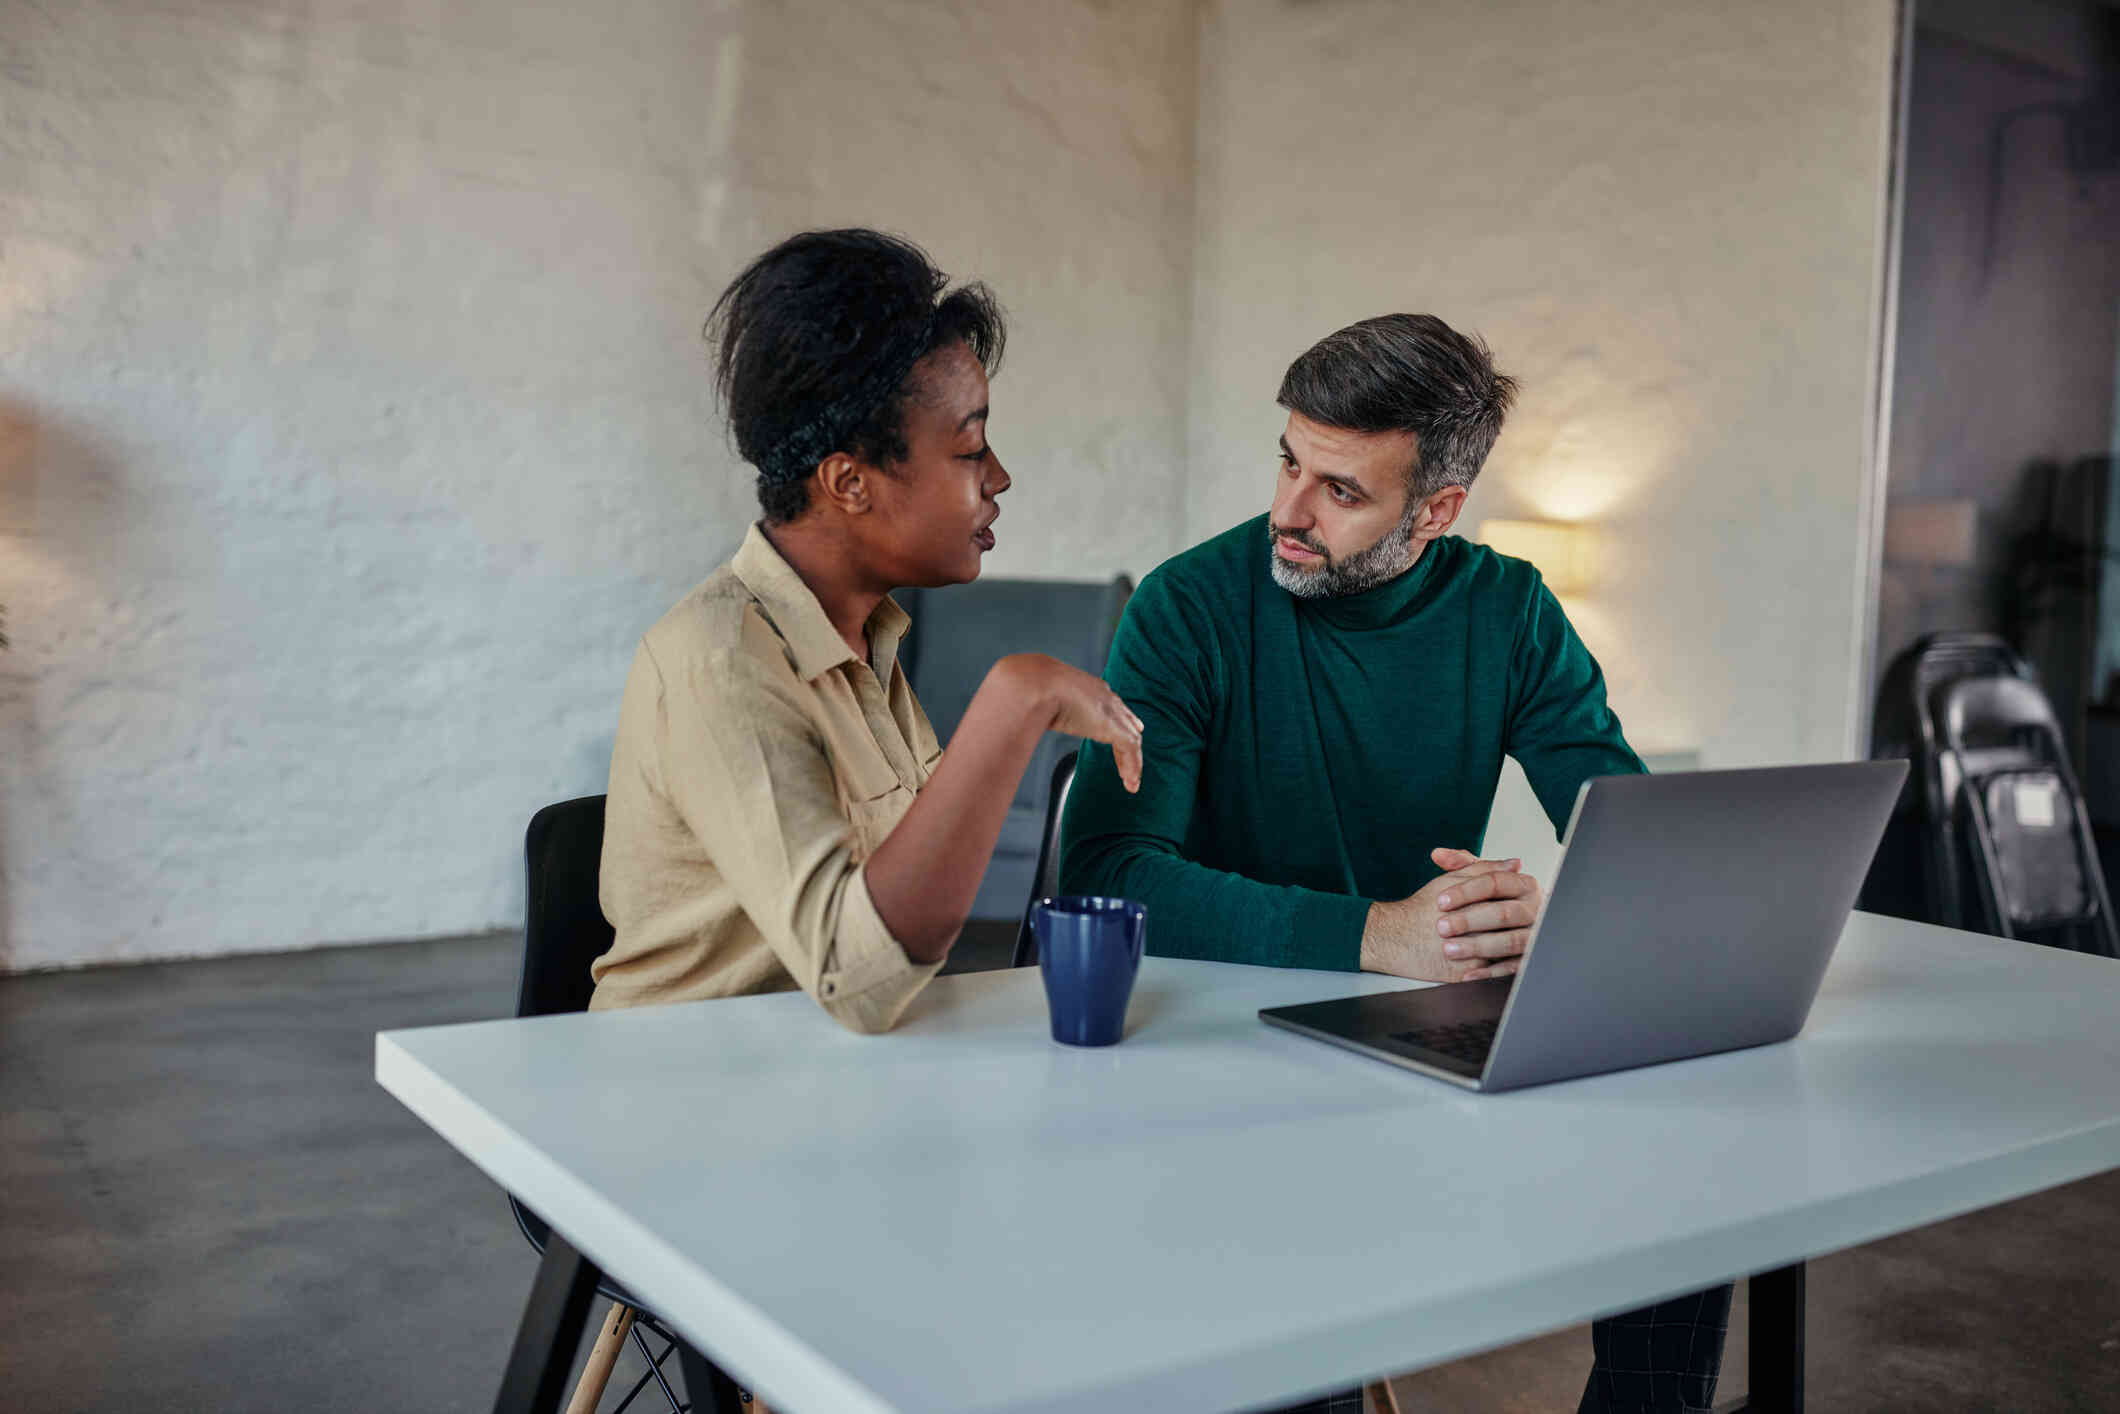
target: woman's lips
<point>984,539</point>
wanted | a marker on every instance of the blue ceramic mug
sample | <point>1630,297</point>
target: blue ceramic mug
<point>1089,950</point>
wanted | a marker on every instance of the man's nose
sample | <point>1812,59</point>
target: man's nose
<point>1291,509</point>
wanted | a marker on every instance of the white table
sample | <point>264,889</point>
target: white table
<point>1218,1215</point>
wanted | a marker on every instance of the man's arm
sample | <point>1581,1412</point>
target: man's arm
<point>1562,733</point>
<point>1165,666</point>
<point>1560,730</point>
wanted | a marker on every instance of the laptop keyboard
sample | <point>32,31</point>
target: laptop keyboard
<point>1469,1041</point>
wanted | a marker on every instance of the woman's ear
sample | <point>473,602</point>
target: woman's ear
<point>840,481</point>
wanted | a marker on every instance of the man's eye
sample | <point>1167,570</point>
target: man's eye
<point>1288,463</point>
<point>1341,494</point>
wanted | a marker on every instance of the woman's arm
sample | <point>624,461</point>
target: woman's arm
<point>923,877</point>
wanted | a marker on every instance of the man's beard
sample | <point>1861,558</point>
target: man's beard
<point>1392,555</point>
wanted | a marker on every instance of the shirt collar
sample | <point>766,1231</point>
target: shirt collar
<point>794,611</point>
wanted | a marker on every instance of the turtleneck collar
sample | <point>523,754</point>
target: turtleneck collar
<point>1386,604</point>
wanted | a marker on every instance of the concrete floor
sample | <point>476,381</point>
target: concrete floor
<point>207,1204</point>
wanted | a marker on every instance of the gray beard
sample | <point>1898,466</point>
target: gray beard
<point>1381,563</point>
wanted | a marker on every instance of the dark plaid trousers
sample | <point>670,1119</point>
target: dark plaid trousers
<point>1662,1359</point>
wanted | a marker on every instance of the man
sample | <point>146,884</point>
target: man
<point>1327,693</point>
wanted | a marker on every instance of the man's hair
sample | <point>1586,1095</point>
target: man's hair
<point>814,347</point>
<point>1407,373</point>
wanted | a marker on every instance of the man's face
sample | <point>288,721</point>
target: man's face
<point>1342,518</point>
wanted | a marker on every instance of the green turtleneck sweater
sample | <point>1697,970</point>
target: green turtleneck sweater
<point>1302,756</point>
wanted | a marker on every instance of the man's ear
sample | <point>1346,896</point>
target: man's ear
<point>841,481</point>
<point>1439,513</point>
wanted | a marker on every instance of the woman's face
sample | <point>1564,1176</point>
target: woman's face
<point>934,512</point>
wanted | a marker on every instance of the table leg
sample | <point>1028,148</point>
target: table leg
<point>1777,1341</point>
<point>536,1379</point>
<point>721,1394</point>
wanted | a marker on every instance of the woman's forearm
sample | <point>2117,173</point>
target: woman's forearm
<point>925,874</point>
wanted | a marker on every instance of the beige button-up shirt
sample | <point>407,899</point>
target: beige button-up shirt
<point>759,762</point>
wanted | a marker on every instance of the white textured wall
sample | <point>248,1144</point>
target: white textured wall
<point>353,418</point>
<point>1666,219</point>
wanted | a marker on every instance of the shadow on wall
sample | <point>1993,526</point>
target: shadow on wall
<point>50,473</point>
<point>18,471</point>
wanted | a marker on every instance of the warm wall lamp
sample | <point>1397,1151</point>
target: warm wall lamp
<point>1938,534</point>
<point>1560,549</point>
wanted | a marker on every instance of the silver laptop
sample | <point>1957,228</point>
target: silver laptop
<point>1690,914</point>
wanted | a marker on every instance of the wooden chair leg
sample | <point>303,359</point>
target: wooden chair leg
<point>1377,1398</point>
<point>596,1371</point>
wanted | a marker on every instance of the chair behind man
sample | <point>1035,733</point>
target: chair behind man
<point>958,633</point>
<point>1045,880</point>
<point>564,930</point>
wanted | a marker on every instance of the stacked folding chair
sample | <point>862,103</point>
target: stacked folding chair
<point>1992,834</point>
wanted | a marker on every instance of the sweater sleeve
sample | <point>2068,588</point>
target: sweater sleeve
<point>1560,730</point>
<point>1166,666</point>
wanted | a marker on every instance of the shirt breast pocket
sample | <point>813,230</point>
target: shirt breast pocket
<point>873,806</point>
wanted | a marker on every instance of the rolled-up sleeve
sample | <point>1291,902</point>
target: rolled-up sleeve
<point>750,774</point>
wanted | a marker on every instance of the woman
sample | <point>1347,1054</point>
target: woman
<point>780,813</point>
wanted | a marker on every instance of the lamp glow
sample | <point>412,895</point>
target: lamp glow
<point>1559,549</point>
<point>1942,534</point>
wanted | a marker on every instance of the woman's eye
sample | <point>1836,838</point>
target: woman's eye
<point>978,456</point>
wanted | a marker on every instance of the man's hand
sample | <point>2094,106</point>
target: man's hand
<point>1472,921</point>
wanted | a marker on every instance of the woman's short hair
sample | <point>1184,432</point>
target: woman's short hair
<point>814,351</point>
<point>1407,373</point>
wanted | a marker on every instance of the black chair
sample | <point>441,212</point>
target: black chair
<point>564,930</point>
<point>1917,872</point>
<point>2016,805</point>
<point>1045,880</point>
<point>958,632</point>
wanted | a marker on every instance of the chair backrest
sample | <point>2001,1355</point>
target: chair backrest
<point>961,630</point>
<point>563,925</point>
<point>1046,882</point>
<point>1977,712</point>
<point>1986,724</point>
<point>1904,723</point>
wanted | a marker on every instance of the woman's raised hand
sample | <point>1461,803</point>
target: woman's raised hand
<point>1081,705</point>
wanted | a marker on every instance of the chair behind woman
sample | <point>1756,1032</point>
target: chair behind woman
<point>564,930</point>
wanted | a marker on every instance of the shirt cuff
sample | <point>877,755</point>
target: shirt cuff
<point>1326,930</point>
<point>874,975</point>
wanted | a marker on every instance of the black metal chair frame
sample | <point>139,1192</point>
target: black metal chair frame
<point>555,980</point>
<point>2025,709</point>
<point>1905,726</point>
<point>1046,881</point>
